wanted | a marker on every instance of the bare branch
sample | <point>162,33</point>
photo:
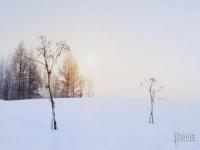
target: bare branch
<point>61,46</point>
<point>35,60</point>
<point>159,89</point>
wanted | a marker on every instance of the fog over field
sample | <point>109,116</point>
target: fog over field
<point>120,42</point>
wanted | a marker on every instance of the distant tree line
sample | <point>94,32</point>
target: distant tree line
<point>21,77</point>
<point>72,83</point>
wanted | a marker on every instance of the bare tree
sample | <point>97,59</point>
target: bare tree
<point>47,56</point>
<point>19,73</point>
<point>7,84</point>
<point>21,79</point>
<point>153,89</point>
<point>34,79</point>
<point>2,77</point>
<point>82,81</point>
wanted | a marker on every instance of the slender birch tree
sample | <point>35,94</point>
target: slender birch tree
<point>47,57</point>
<point>153,90</point>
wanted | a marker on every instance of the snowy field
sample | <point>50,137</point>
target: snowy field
<point>98,124</point>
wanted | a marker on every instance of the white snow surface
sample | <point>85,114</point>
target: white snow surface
<point>98,124</point>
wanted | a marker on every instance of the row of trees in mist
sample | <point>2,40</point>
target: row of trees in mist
<point>21,77</point>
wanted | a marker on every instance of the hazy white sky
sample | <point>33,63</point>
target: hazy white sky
<point>126,40</point>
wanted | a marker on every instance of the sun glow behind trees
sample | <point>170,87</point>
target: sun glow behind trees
<point>88,63</point>
<point>144,39</point>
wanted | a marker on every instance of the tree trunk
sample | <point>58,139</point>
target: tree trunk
<point>54,125</point>
<point>19,81</point>
<point>73,90</point>
<point>151,120</point>
<point>151,113</point>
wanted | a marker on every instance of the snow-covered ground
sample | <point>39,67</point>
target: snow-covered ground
<point>98,124</point>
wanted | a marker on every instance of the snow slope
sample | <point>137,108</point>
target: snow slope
<point>98,124</point>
